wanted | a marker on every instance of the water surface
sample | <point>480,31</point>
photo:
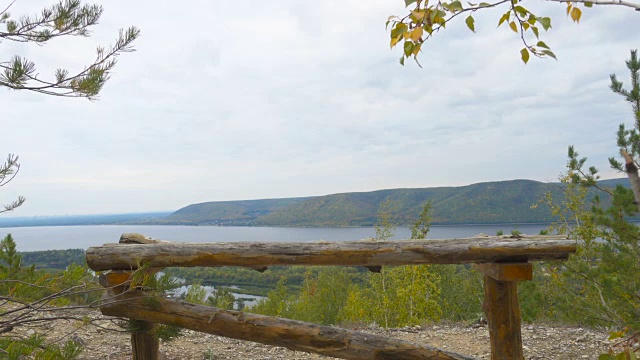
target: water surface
<point>74,237</point>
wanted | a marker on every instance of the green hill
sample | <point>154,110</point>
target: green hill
<point>491,202</point>
<point>243,212</point>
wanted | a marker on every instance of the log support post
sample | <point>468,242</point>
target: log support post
<point>502,308</point>
<point>144,342</point>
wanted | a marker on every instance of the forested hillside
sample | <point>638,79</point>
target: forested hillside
<point>491,202</point>
<point>243,212</point>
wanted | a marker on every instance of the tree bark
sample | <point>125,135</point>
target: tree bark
<point>144,343</point>
<point>503,317</point>
<point>294,335</point>
<point>632,173</point>
<point>348,253</point>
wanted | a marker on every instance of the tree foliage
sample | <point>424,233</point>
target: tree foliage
<point>600,282</point>
<point>65,18</point>
<point>425,19</point>
<point>8,170</point>
<point>27,294</point>
<point>391,297</point>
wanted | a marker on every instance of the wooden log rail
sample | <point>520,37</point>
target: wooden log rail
<point>292,334</point>
<point>349,253</point>
<point>502,260</point>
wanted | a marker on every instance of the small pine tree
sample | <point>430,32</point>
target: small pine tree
<point>9,257</point>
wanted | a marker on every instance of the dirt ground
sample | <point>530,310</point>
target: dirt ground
<point>540,341</point>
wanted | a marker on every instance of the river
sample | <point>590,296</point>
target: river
<point>74,237</point>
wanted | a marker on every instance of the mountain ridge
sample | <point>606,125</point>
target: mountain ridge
<point>507,201</point>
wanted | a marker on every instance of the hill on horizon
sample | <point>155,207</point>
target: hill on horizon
<point>482,203</point>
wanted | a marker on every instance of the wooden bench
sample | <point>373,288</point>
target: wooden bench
<point>503,260</point>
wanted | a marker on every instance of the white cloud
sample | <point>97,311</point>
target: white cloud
<point>234,101</point>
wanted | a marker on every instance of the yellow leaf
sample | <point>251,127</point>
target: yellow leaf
<point>406,35</point>
<point>513,26</point>
<point>416,49</point>
<point>395,40</point>
<point>418,15</point>
<point>576,13</point>
<point>569,6</point>
<point>416,34</point>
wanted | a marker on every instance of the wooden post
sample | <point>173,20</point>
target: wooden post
<point>502,308</point>
<point>144,342</point>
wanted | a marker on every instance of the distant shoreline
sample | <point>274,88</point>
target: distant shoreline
<point>6,226</point>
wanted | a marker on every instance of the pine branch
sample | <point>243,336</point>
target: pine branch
<point>20,73</point>
<point>68,17</point>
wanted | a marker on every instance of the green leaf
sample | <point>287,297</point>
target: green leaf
<point>409,2</point>
<point>484,4</point>
<point>542,45</point>
<point>588,4</point>
<point>524,53</point>
<point>408,48</point>
<point>402,60</point>
<point>546,23</point>
<point>470,23</point>
<point>400,29</point>
<point>549,53</point>
<point>535,31</point>
<point>456,6</point>
<point>521,10</point>
<point>504,17</point>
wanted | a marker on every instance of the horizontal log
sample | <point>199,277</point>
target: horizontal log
<point>294,335</point>
<point>350,253</point>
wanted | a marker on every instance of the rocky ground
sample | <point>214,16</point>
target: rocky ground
<point>540,342</point>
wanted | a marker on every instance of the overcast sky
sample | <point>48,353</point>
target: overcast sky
<point>267,99</point>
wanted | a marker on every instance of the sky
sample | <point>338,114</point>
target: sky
<point>267,99</point>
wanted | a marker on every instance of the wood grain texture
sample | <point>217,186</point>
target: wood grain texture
<point>503,317</point>
<point>350,253</point>
<point>294,335</point>
<point>507,271</point>
<point>144,343</point>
